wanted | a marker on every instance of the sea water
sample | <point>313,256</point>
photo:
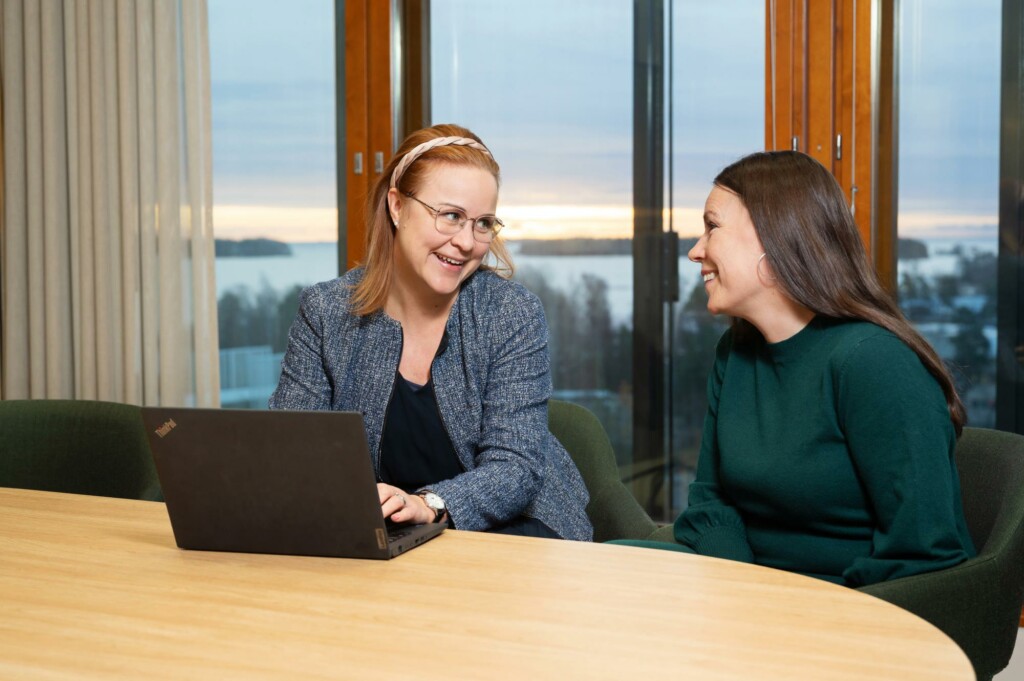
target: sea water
<point>310,263</point>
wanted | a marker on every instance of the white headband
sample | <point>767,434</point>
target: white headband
<point>419,150</point>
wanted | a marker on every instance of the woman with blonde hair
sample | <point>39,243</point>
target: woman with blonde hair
<point>445,357</point>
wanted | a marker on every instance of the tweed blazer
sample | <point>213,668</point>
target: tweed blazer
<point>492,383</point>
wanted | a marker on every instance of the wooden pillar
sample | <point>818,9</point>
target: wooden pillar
<point>818,94</point>
<point>368,112</point>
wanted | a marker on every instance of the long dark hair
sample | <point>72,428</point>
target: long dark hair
<point>815,251</point>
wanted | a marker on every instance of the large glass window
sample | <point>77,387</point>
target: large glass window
<point>275,214</point>
<point>718,116</point>
<point>548,87</point>
<point>949,81</point>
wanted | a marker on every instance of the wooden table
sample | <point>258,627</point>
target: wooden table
<point>95,588</point>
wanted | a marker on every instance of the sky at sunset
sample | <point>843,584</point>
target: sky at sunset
<point>553,100</point>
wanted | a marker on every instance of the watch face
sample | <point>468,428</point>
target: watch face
<point>433,501</point>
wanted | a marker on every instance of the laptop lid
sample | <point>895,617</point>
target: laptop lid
<point>287,482</point>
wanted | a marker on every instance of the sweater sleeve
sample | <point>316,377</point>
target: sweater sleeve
<point>901,440</point>
<point>711,525</point>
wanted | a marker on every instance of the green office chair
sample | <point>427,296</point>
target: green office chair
<point>612,510</point>
<point>978,602</point>
<point>76,446</point>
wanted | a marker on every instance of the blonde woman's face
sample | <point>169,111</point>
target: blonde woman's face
<point>426,260</point>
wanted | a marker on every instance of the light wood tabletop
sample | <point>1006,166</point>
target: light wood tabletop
<point>93,587</point>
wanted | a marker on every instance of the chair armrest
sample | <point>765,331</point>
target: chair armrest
<point>617,515</point>
<point>972,603</point>
<point>662,533</point>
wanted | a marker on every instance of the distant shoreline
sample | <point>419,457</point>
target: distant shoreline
<point>250,248</point>
<point>908,248</point>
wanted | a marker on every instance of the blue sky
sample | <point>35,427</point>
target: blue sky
<point>949,107</point>
<point>553,99</point>
<point>273,101</point>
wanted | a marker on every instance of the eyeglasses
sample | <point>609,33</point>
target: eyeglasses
<point>449,220</point>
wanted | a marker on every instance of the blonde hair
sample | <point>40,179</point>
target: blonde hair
<point>370,294</point>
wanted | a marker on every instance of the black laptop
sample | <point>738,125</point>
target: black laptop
<point>288,482</point>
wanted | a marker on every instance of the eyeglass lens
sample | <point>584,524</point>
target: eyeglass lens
<point>450,220</point>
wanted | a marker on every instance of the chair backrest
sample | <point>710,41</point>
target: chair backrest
<point>978,602</point>
<point>76,446</point>
<point>991,468</point>
<point>612,510</point>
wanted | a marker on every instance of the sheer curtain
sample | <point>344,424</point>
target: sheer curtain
<point>106,241</point>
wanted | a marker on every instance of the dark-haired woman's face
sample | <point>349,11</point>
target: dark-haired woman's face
<point>728,254</point>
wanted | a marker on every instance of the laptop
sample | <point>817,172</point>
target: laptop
<point>286,482</point>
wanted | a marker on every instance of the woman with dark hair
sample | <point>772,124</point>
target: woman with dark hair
<point>444,356</point>
<point>828,442</point>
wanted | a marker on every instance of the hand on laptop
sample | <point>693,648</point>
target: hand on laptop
<point>402,507</point>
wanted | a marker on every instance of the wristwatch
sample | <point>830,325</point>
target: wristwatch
<point>434,503</point>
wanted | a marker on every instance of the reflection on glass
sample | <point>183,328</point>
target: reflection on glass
<point>275,221</point>
<point>548,86</point>
<point>948,187</point>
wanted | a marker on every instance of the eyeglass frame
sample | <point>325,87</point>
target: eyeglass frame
<point>462,223</point>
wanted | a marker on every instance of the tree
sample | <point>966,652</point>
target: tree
<point>264,319</point>
<point>696,336</point>
<point>287,308</point>
<point>233,311</point>
<point>971,352</point>
<point>595,325</point>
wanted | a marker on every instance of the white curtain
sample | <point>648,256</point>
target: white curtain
<point>106,241</point>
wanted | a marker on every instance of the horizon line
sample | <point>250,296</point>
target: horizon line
<point>548,222</point>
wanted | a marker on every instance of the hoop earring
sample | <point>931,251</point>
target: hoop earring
<point>761,276</point>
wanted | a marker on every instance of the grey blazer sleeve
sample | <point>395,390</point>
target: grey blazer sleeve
<point>509,464</point>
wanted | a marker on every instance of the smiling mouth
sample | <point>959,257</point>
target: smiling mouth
<point>708,277</point>
<point>450,261</point>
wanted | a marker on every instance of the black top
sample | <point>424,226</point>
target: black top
<point>415,450</point>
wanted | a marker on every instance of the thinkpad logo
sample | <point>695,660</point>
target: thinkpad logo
<point>168,426</point>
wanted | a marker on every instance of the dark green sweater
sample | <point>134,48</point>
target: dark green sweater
<point>828,454</point>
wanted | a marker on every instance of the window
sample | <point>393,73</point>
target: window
<point>275,215</point>
<point>564,141</point>
<point>521,75</point>
<point>590,105</point>
<point>717,100</point>
<point>949,80</point>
